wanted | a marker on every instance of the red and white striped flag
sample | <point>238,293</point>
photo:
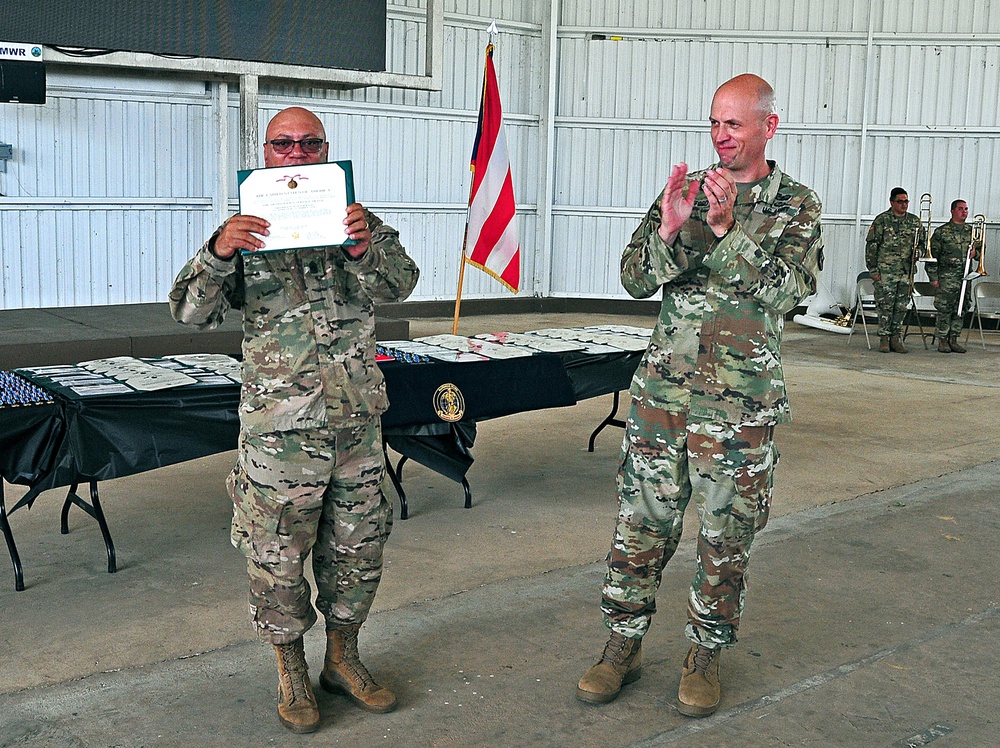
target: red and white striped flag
<point>492,243</point>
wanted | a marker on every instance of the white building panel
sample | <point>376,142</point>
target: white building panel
<point>931,17</point>
<point>719,16</point>
<point>936,85</point>
<point>590,247</point>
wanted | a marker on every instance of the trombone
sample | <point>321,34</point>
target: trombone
<point>981,270</point>
<point>976,244</point>
<point>924,254</point>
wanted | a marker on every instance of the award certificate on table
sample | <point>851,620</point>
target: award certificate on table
<point>305,205</point>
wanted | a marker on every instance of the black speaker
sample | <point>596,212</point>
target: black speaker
<point>22,82</point>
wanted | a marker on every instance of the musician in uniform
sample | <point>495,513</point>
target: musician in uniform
<point>951,244</point>
<point>733,248</point>
<point>309,470</point>
<point>890,253</point>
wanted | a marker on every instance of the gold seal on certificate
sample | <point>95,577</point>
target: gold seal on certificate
<point>305,204</point>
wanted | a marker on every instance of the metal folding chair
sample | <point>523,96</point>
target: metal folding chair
<point>864,306</point>
<point>986,306</point>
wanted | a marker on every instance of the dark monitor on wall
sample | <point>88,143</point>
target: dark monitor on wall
<point>339,34</point>
<point>22,82</point>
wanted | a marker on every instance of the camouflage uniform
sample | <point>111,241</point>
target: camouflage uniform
<point>950,246</point>
<point>706,397</point>
<point>310,463</point>
<point>889,253</point>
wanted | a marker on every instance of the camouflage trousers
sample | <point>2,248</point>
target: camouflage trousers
<point>316,491</point>
<point>892,297</point>
<point>665,461</point>
<point>949,322</point>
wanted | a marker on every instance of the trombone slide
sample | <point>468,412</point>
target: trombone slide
<point>925,221</point>
<point>978,237</point>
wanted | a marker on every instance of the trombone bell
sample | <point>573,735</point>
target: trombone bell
<point>979,236</point>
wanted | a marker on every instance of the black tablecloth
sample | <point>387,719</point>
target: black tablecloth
<point>593,374</point>
<point>111,437</point>
<point>29,437</point>
<point>74,441</point>
<point>490,388</point>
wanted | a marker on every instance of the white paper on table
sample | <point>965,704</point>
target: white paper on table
<point>474,345</point>
<point>534,342</point>
<point>456,356</point>
<point>639,332</point>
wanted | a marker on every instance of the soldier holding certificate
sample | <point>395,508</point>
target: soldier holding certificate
<point>310,467</point>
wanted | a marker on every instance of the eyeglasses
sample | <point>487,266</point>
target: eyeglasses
<point>901,202</point>
<point>285,145</point>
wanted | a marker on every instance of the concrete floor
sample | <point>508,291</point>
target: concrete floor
<point>872,614</point>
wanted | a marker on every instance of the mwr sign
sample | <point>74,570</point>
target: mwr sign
<point>22,52</point>
<point>22,76</point>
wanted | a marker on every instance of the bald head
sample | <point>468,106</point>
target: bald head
<point>743,120</point>
<point>753,89</point>
<point>296,124</point>
<point>294,116</point>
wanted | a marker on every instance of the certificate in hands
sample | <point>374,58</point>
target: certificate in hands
<point>305,205</point>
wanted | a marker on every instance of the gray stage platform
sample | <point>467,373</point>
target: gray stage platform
<point>68,335</point>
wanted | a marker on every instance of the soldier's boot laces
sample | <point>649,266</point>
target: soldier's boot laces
<point>944,345</point>
<point>344,672</point>
<point>883,344</point>
<point>700,689</point>
<point>620,664</point>
<point>955,346</point>
<point>297,709</point>
<point>896,344</point>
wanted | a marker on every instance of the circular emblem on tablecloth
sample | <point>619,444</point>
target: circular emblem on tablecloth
<point>449,403</point>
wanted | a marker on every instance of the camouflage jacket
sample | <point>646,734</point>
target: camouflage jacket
<point>715,349</point>
<point>308,326</point>
<point>950,247</point>
<point>890,244</point>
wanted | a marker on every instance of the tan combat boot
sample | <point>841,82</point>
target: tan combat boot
<point>620,663</point>
<point>297,707</point>
<point>698,695</point>
<point>943,345</point>
<point>955,346</point>
<point>883,344</point>
<point>896,344</point>
<point>343,672</point>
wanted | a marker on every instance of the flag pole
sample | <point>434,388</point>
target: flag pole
<point>492,31</point>
<point>461,270</point>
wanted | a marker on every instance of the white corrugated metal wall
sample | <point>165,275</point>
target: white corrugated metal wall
<point>119,177</point>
